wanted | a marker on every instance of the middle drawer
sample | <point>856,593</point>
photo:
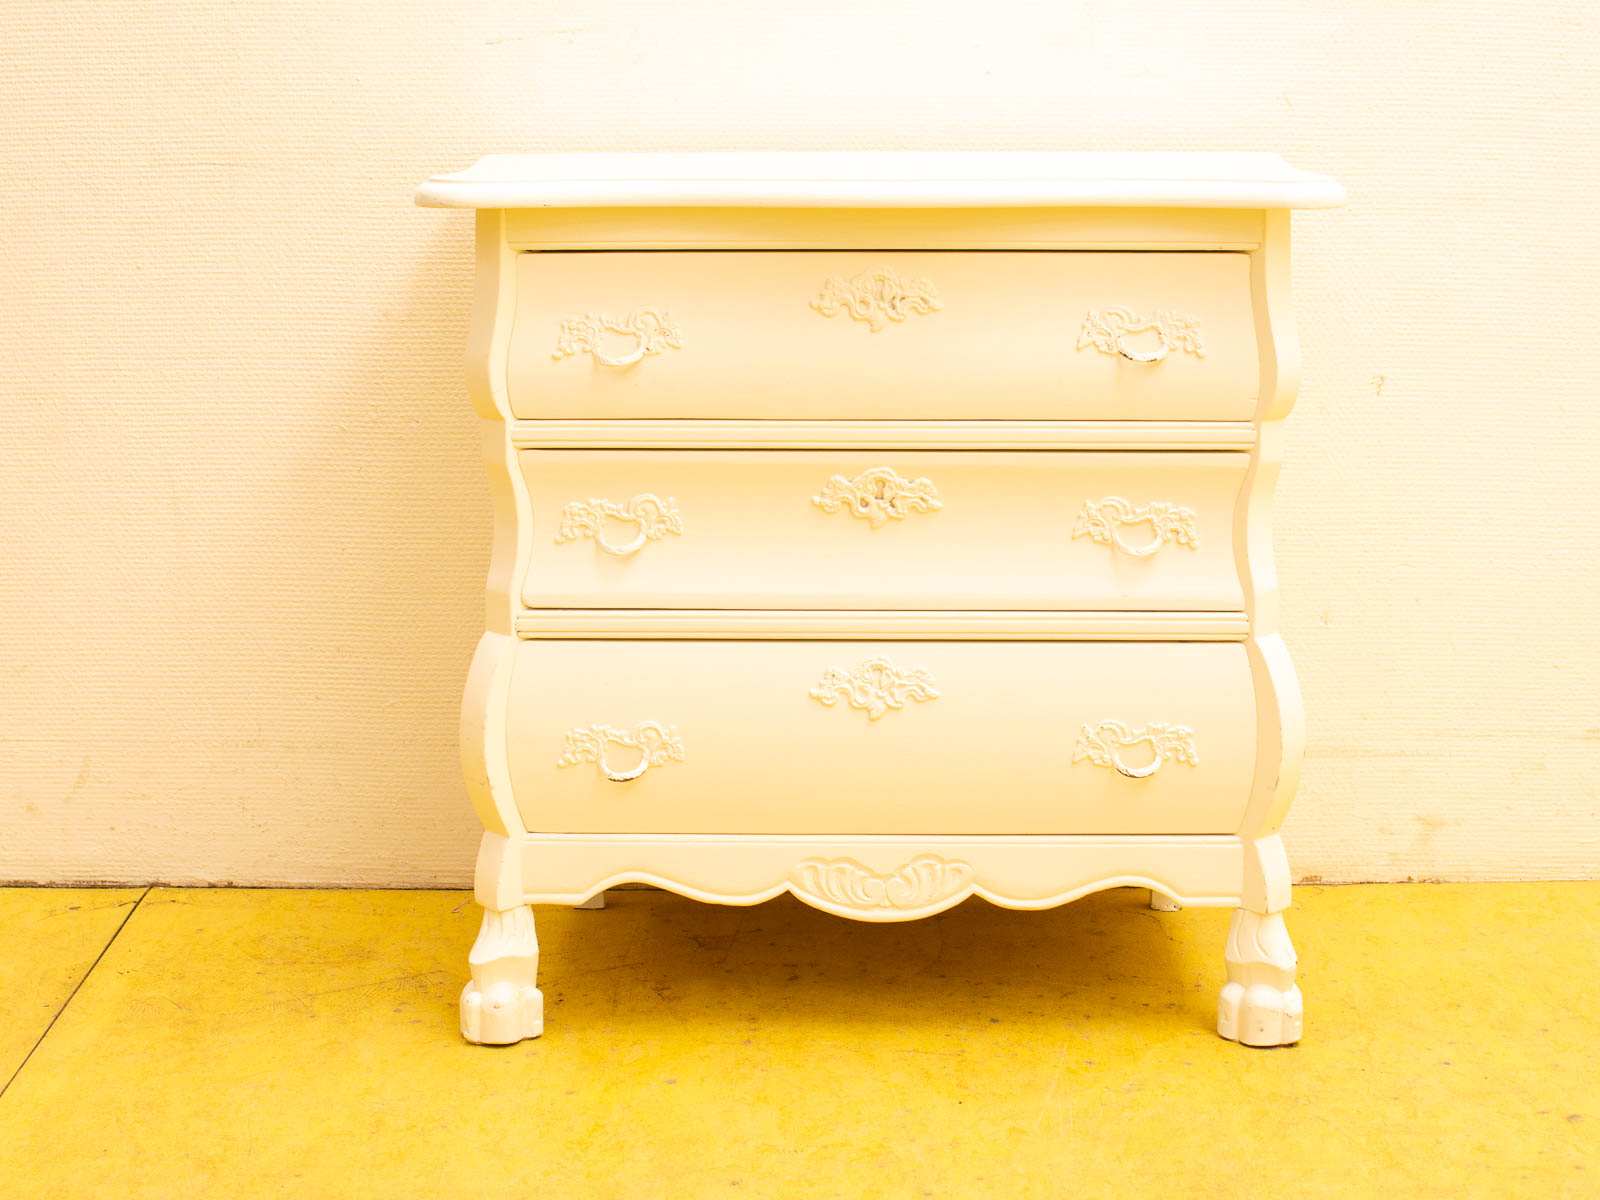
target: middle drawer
<point>1019,530</point>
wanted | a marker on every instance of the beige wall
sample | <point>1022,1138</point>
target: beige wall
<point>245,522</point>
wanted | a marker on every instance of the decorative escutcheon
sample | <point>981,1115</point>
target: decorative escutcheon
<point>878,496</point>
<point>877,685</point>
<point>1104,520</point>
<point>656,744</point>
<point>1099,744</point>
<point>651,331</point>
<point>876,297</point>
<point>1106,328</point>
<point>654,517</point>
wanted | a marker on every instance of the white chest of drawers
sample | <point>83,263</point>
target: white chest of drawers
<point>888,529</point>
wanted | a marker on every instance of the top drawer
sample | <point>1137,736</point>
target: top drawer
<point>892,335</point>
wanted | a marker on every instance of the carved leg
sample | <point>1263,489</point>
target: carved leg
<point>1260,1004</point>
<point>1162,902</point>
<point>502,1004</point>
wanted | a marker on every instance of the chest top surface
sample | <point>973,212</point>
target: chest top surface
<point>882,179</point>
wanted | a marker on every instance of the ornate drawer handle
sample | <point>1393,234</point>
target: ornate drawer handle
<point>657,745</point>
<point>1101,520</point>
<point>877,685</point>
<point>654,516</point>
<point>1104,329</point>
<point>652,332</point>
<point>1099,745</point>
<point>876,297</point>
<point>878,496</point>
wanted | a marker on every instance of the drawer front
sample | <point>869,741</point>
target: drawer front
<point>890,335</point>
<point>873,529</point>
<point>881,738</point>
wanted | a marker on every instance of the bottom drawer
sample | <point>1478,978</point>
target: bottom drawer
<point>881,737</point>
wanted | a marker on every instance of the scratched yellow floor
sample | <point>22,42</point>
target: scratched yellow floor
<point>302,1044</point>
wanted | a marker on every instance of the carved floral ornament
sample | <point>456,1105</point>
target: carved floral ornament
<point>1103,521</point>
<point>655,745</point>
<point>650,330</point>
<point>1100,744</point>
<point>653,517</point>
<point>876,297</point>
<point>877,685</point>
<point>845,883</point>
<point>878,496</point>
<point>1118,329</point>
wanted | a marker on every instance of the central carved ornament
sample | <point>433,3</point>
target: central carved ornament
<point>878,496</point>
<point>845,883</point>
<point>876,297</point>
<point>877,685</point>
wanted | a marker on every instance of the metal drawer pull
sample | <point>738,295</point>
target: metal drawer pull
<point>652,332</point>
<point>876,297</point>
<point>1099,745</point>
<point>878,496</point>
<point>654,517</point>
<point>657,745</point>
<point>1102,521</point>
<point>1104,329</point>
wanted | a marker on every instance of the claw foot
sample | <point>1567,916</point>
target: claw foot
<point>1260,1004</point>
<point>505,1013</point>
<point>503,1003</point>
<point>1260,1015</point>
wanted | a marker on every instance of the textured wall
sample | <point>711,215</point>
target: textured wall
<point>245,522</point>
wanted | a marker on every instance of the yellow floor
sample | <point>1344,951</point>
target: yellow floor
<point>302,1044</point>
<point>49,938</point>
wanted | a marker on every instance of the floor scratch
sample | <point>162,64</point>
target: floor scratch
<point>109,941</point>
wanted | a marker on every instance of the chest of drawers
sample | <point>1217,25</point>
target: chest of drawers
<point>888,529</point>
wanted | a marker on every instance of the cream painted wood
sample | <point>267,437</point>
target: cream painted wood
<point>908,179</point>
<point>883,530</point>
<point>767,745</point>
<point>863,625</point>
<point>760,715</point>
<point>1037,871</point>
<point>902,335</point>
<point>894,435</point>
<point>1260,1004</point>
<point>721,228</point>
